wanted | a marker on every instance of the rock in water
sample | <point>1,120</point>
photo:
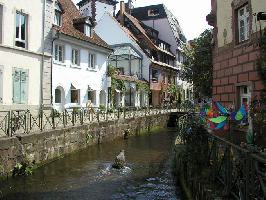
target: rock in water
<point>120,160</point>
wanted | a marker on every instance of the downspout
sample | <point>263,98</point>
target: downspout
<point>55,37</point>
<point>42,63</point>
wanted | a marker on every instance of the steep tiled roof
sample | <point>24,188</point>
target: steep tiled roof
<point>138,25</point>
<point>71,13</point>
<point>140,28</point>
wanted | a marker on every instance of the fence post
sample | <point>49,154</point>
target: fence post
<point>53,122</point>
<point>27,118</point>
<point>98,117</point>
<point>73,117</point>
<point>41,120</point>
<point>81,116</point>
<point>9,123</point>
<point>64,123</point>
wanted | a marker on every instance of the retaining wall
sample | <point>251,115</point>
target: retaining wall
<point>41,148</point>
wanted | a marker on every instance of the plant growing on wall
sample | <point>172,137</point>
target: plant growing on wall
<point>174,90</point>
<point>112,71</point>
<point>142,86</point>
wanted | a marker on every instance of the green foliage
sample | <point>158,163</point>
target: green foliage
<point>197,68</point>
<point>55,113</point>
<point>112,71</point>
<point>89,137</point>
<point>23,169</point>
<point>142,86</point>
<point>102,107</point>
<point>175,91</point>
<point>118,84</point>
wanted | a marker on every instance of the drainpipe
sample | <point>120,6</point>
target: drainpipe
<point>55,37</point>
<point>42,63</point>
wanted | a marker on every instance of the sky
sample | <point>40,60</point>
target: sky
<point>191,14</point>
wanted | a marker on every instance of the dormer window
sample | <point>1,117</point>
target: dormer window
<point>58,15</point>
<point>87,30</point>
<point>153,12</point>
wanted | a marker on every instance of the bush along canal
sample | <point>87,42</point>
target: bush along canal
<point>88,174</point>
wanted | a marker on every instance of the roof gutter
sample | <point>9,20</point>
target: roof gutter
<point>42,63</point>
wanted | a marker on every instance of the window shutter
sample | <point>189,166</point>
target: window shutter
<point>24,78</point>
<point>16,86</point>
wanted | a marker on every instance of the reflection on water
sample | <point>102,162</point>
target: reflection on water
<point>88,173</point>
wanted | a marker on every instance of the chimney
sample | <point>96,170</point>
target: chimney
<point>93,12</point>
<point>122,12</point>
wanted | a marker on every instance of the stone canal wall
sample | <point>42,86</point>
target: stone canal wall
<point>41,148</point>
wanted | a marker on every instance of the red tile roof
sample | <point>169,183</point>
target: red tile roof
<point>71,13</point>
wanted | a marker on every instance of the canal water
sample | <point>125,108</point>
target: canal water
<point>88,174</point>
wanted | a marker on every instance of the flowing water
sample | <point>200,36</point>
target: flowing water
<point>88,173</point>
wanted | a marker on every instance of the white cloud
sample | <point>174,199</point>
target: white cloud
<point>191,14</point>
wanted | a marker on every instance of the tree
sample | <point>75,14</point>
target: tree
<point>197,68</point>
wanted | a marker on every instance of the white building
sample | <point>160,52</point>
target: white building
<point>23,58</point>
<point>128,57</point>
<point>161,19</point>
<point>79,60</point>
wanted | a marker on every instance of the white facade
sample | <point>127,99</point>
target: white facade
<point>113,34</point>
<point>21,49</point>
<point>90,83</point>
<point>166,34</point>
<point>163,26</point>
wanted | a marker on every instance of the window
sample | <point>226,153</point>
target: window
<point>59,53</point>
<point>58,15</point>
<point>75,95</point>
<point>87,30</point>
<point>91,95</point>
<point>91,61</point>
<point>243,23</point>
<point>178,55</point>
<point>75,57</point>
<point>20,85</point>
<point>174,80</point>
<point>58,96</point>
<point>245,95</point>
<point>169,79</point>
<point>155,75</point>
<point>152,13</point>
<point>121,70</point>
<point>1,22</point>
<point>21,29</point>
<point>1,84</point>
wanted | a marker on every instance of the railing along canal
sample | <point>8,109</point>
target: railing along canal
<point>214,168</point>
<point>17,122</point>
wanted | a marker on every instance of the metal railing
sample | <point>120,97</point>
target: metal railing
<point>231,171</point>
<point>16,122</point>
